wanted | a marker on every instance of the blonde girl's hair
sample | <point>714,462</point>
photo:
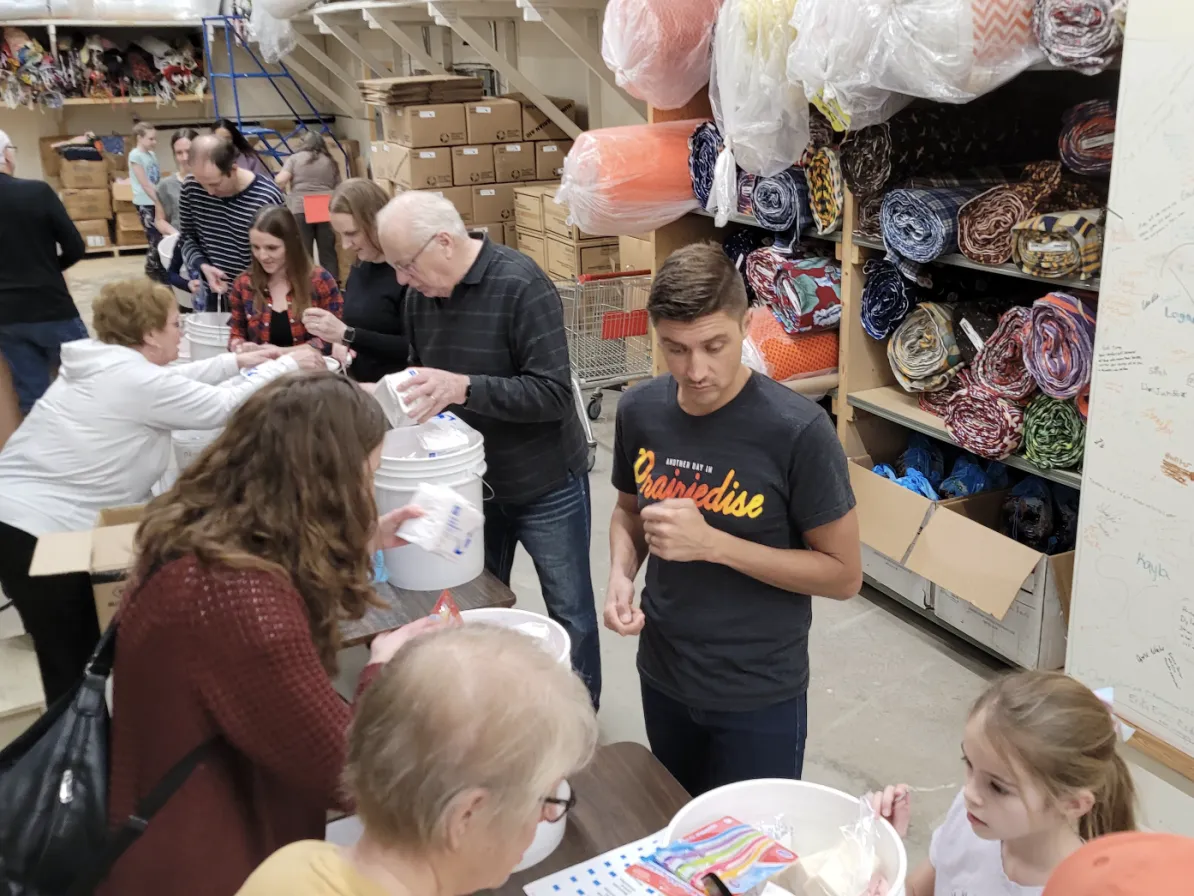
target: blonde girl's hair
<point>1065,739</point>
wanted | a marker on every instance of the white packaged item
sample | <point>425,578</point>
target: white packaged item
<point>448,523</point>
<point>441,435</point>
<point>396,408</point>
<point>762,115</point>
<point>846,869</point>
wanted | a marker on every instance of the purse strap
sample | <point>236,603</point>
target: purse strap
<point>134,826</point>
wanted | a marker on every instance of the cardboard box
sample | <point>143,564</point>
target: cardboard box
<point>567,260</point>
<point>494,202</point>
<point>461,197</point>
<point>514,162</point>
<point>472,165</point>
<point>87,205</point>
<point>555,220</point>
<point>440,124</point>
<point>511,234</point>
<point>636,254</point>
<point>122,191</point>
<point>84,175</point>
<point>536,125</point>
<point>96,234</point>
<point>534,246</point>
<point>528,206</point>
<point>131,238</point>
<point>412,169</point>
<point>387,186</point>
<point>1001,593</point>
<point>128,221</point>
<point>118,162</point>
<point>493,120</point>
<point>895,579</point>
<point>106,552</point>
<point>495,231</point>
<point>549,158</point>
<point>347,156</point>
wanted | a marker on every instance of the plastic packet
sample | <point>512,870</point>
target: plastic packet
<point>445,608</point>
<point>846,869</point>
<point>274,36</point>
<point>440,434</point>
<point>762,115</point>
<point>448,523</point>
<point>396,408</point>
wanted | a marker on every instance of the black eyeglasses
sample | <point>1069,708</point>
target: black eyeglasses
<point>555,808</point>
<point>409,266</point>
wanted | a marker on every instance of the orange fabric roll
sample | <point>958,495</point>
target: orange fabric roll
<point>788,356</point>
<point>628,180</point>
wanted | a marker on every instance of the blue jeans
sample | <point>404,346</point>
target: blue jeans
<point>705,749</point>
<point>554,529</point>
<point>32,353</point>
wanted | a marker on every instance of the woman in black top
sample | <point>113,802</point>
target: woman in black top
<point>371,323</point>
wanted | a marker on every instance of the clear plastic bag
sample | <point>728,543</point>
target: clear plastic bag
<point>275,36</point>
<point>848,869</point>
<point>659,49</point>
<point>135,10</point>
<point>630,179</point>
<point>762,116</point>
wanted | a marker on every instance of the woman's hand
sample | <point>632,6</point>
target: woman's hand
<point>387,527</point>
<point>257,354</point>
<point>343,354</point>
<point>892,803</point>
<point>308,358</point>
<point>387,644</point>
<point>324,324</point>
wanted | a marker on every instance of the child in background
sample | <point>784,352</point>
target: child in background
<point>144,174</point>
<point>1043,775</point>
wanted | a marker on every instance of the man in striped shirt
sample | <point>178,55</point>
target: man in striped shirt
<point>216,209</point>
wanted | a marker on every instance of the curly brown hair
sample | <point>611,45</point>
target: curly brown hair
<point>285,488</point>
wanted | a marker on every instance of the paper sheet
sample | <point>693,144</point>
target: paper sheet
<point>603,876</point>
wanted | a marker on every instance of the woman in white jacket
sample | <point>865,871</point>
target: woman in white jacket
<point>100,437</point>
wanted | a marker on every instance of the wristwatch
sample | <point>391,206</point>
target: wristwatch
<point>350,333</point>
<point>468,392</point>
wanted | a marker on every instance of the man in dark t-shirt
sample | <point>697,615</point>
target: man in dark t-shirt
<point>735,491</point>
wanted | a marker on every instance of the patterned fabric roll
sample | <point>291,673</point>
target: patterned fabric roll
<point>986,424</point>
<point>824,175</point>
<point>974,323</point>
<point>737,245</point>
<point>746,190</point>
<point>1060,245</point>
<point>985,222</point>
<point>1054,434</point>
<point>781,202</point>
<point>935,403</point>
<point>922,351</point>
<point>1088,137</point>
<point>1074,192</point>
<point>887,298</point>
<point>1060,347</point>
<point>1027,514</point>
<point>804,293</point>
<point>999,367</point>
<point>921,225</point>
<point>1078,34</point>
<point>870,217</point>
<point>704,146</point>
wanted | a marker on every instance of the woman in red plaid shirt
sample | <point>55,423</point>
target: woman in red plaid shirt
<point>268,300</point>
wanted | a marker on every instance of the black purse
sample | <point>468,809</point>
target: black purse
<point>54,836</point>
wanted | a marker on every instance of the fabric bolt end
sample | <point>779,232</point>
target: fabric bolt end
<point>935,403</point>
<point>999,366</point>
<point>1088,137</point>
<point>1054,435</point>
<point>1060,350</point>
<point>826,194</point>
<point>1027,514</point>
<point>737,245</point>
<point>990,426</point>
<point>985,222</point>
<point>920,225</point>
<point>1061,244</point>
<point>886,298</point>
<point>782,202</point>
<point>1079,34</point>
<point>974,323</point>
<point>922,351</point>
<point>804,293</point>
<point>704,146</point>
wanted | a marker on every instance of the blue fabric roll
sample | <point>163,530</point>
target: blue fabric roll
<point>781,202</point>
<point>886,298</point>
<point>920,225</point>
<point>704,146</point>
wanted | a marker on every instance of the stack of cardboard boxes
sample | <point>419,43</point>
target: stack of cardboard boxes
<point>563,250</point>
<point>474,154</point>
<point>85,193</point>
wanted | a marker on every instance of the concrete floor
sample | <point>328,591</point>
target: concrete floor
<point>889,691</point>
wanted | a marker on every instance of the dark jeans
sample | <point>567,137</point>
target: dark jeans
<point>57,611</point>
<point>32,353</point>
<point>153,261</point>
<point>554,530</point>
<point>704,749</point>
<point>324,237</point>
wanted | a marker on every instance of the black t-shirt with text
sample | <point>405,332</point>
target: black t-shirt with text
<point>766,468</point>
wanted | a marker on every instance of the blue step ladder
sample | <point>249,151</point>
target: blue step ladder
<point>273,142</point>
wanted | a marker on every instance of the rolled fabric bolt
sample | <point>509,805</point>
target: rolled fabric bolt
<point>1060,244</point>
<point>887,297</point>
<point>781,202</point>
<point>920,225</point>
<point>983,423</point>
<point>1054,435</point>
<point>1088,137</point>
<point>985,222</point>
<point>922,351</point>
<point>826,196</point>
<point>1078,34</point>
<point>999,367</point>
<point>704,146</point>
<point>1060,349</point>
<point>935,403</point>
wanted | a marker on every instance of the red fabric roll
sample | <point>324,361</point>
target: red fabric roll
<point>985,424</point>
<point>935,403</point>
<point>999,365</point>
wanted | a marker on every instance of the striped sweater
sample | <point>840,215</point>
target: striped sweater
<point>215,229</point>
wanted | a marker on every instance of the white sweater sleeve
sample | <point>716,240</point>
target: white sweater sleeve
<point>211,371</point>
<point>173,401</point>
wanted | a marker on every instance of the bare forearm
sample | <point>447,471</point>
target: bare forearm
<point>627,545</point>
<point>792,569</point>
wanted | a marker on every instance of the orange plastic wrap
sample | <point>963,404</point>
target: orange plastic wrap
<point>628,180</point>
<point>785,356</point>
<point>659,49</point>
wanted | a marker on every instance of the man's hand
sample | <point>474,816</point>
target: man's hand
<point>621,615</point>
<point>676,530</point>
<point>388,524</point>
<point>385,645</point>
<point>216,279</point>
<point>324,324</point>
<point>430,391</point>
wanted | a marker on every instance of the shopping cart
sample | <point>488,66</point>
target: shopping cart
<point>605,317</point>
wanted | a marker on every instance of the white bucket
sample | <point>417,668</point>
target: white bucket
<point>548,632</point>
<point>188,444</point>
<point>208,333</point>
<point>404,464</point>
<point>814,812</point>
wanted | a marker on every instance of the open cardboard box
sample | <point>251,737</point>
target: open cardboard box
<point>105,552</point>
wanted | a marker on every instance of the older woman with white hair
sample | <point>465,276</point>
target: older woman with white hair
<point>449,776</point>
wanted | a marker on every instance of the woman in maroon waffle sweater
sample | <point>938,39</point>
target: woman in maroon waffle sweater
<point>245,568</point>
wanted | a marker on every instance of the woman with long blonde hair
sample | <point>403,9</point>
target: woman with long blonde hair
<point>229,632</point>
<point>372,325</point>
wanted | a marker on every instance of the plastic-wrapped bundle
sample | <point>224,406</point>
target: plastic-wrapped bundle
<point>133,10</point>
<point>762,117</point>
<point>999,366</point>
<point>781,202</point>
<point>1027,513</point>
<point>969,478</point>
<point>16,10</point>
<point>629,179</point>
<point>887,298</point>
<point>986,424</point>
<point>1078,34</point>
<point>924,455</point>
<point>1060,244</point>
<point>1088,137</point>
<point>922,351</point>
<point>1054,434</point>
<point>951,50</point>
<point>659,50</point>
<point>704,146</point>
<point>1059,350</point>
<point>913,480</point>
<point>787,356</point>
<point>922,225</point>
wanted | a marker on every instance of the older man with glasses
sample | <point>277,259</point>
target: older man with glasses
<point>486,328</point>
